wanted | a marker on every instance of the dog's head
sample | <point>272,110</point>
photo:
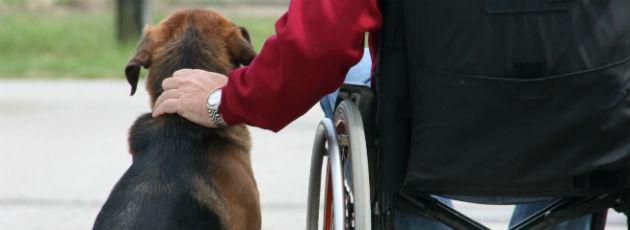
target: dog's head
<point>193,39</point>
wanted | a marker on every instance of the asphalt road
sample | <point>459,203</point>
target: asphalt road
<point>63,146</point>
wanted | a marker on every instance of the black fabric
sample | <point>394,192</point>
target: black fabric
<point>393,120</point>
<point>497,98</point>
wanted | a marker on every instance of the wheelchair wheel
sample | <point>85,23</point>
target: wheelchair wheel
<point>340,145</point>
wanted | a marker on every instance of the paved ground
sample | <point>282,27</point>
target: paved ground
<point>63,146</point>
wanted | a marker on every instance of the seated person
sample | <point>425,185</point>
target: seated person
<point>359,74</point>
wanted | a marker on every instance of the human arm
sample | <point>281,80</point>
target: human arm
<point>316,42</point>
<point>315,45</point>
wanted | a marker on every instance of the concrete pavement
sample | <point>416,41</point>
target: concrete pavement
<point>63,146</point>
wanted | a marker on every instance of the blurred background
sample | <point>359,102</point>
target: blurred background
<point>65,112</point>
<point>54,39</point>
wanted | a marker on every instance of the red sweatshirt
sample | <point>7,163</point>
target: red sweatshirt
<point>316,42</point>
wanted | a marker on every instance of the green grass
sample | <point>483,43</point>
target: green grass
<point>259,29</point>
<point>76,45</point>
<point>12,2</point>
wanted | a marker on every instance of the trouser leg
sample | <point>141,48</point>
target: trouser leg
<point>408,221</point>
<point>523,211</point>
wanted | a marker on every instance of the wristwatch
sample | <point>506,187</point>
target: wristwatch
<point>214,99</point>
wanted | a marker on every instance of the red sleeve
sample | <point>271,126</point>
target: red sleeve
<point>316,42</point>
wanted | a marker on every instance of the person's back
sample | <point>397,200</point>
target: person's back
<point>491,88</point>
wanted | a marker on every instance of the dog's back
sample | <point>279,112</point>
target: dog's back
<point>163,187</point>
<point>185,176</point>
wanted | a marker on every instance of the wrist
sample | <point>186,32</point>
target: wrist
<point>213,104</point>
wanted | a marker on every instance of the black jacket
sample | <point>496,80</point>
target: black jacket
<point>495,97</point>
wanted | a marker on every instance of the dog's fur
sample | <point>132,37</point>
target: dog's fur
<point>185,176</point>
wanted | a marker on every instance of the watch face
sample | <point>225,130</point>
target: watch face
<point>214,98</point>
<point>213,107</point>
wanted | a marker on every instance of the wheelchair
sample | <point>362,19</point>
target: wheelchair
<point>342,178</point>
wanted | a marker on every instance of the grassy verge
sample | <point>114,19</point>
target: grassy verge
<point>76,44</point>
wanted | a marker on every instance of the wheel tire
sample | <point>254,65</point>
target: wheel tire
<point>349,128</point>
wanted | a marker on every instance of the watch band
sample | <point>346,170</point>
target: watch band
<point>214,100</point>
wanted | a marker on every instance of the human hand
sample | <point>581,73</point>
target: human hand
<point>186,93</point>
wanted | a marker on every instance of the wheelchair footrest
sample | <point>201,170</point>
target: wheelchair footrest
<point>432,208</point>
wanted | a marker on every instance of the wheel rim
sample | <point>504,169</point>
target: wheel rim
<point>348,197</point>
<point>340,156</point>
<point>346,161</point>
<point>328,207</point>
<point>352,148</point>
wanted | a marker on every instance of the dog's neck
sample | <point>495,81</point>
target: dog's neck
<point>190,51</point>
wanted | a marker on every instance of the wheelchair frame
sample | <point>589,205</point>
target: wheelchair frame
<point>340,153</point>
<point>347,200</point>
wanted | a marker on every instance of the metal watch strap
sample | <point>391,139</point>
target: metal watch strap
<point>213,102</point>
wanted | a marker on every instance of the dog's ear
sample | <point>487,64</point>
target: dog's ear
<point>141,58</point>
<point>240,45</point>
<point>245,34</point>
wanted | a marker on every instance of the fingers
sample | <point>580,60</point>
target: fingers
<point>185,77</point>
<point>185,72</point>
<point>168,94</point>
<point>185,91</point>
<point>177,80</point>
<point>190,73</point>
<point>172,83</point>
<point>166,103</point>
<point>180,77</point>
<point>167,106</point>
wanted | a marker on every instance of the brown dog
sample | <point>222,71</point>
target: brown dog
<point>185,176</point>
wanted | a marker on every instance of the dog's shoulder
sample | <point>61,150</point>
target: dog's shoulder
<point>144,131</point>
<point>165,132</point>
<point>174,130</point>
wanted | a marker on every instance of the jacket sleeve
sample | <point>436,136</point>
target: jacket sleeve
<point>316,42</point>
